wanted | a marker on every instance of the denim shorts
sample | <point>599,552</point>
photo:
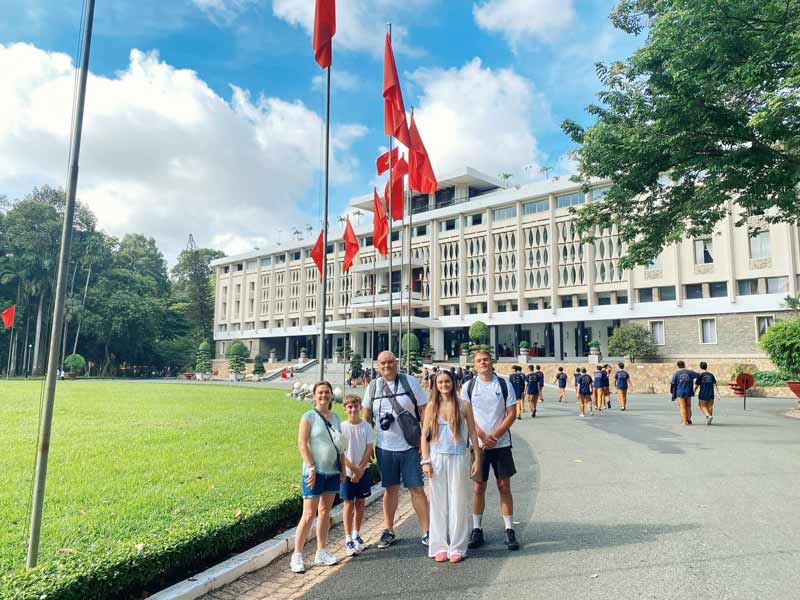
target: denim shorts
<point>397,466</point>
<point>323,484</point>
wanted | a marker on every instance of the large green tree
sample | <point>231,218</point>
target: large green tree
<point>193,284</point>
<point>706,111</point>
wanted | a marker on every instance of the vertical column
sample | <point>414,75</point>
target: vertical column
<point>631,289</point>
<point>287,286</point>
<point>338,282</point>
<point>272,292</point>
<point>520,250</point>
<point>462,269</point>
<point>303,282</point>
<point>588,252</point>
<point>553,256</point>
<point>257,299</point>
<point>557,340</point>
<point>489,264</point>
<point>678,274</point>
<point>791,231</point>
<point>230,294</point>
<point>437,342</point>
<point>436,270</point>
<point>493,337</point>
<point>730,233</point>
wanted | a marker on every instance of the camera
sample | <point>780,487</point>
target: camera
<point>386,421</point>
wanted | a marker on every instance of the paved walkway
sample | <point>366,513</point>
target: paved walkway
<point>616,505</point>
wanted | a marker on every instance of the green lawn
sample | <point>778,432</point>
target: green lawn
<point>138,473</point>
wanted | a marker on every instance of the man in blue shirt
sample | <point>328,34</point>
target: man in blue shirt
<point>584,388</point>
<point>683,390</point>
<point>597,386</point>
<point>532,384</point>
<point>517,381</point>
<point>705,383</point>
<point>540,377</point>
<point>621,381</point>
<point>561,382</point>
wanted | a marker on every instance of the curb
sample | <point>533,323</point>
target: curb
<point>246,562</point>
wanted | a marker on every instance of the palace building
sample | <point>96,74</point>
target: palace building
<point>512,258</point>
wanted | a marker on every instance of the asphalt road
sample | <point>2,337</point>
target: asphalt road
<point>623,505</point>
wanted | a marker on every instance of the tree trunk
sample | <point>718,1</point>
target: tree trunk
<point>107,362</point>
<point>25,347</point>
<point>83,306</point>
<point>36,368</point>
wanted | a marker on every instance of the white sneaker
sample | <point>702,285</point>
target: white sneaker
<point>296,564</point>
<point>360,545</point>
<point>324,557</point>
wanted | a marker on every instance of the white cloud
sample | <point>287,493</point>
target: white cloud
<point>477,117</point>
<point>162,153</point>
<point>223,11</point>
<point>340,80</point>
<point>360,24</point>
<point>518,20</point>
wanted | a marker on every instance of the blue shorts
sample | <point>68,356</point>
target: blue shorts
<point>397,466</point>
<point>353,491</point>
<point>323,484</point>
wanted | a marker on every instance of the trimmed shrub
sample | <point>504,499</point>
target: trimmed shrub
<point>782,343</point>
<point>524,344</point>
<point>356,365</point>
<point>75,363</point>
<point>237,355</point>
<point>632,341</point>
<point>479,332</point>
<point>770,378</point>
<point>258,365</point>
<point>410,339</point>
<point>203,363</point>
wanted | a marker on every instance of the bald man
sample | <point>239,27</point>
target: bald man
<point>398,460</point>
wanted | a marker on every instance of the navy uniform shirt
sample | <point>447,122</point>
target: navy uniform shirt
<point>706,381</point>
<point>540,377</point>
<point>621,379</point>
<point>517,381</point>
<point>562,380</point>
<point>585,383</point>
<point>598,378</point>
<point>533,383</point>
<point>577,379</point>
<point>683,382</point>
<point>604,378</point>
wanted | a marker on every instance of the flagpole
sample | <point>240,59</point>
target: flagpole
<point>11,345</point>
<point>410,271</point>
<point>321,350</point>
<point>58,310</point>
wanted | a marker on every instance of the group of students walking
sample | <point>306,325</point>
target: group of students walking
<point>453,440</point>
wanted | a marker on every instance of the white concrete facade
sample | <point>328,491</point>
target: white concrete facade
<point>510,257</point>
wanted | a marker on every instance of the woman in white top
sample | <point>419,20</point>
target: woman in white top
<point>321,445</point>
<point>449,464</point>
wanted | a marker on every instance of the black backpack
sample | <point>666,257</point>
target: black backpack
<point>503,388</point>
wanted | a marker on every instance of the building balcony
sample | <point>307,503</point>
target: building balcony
<point>381,300</point>
<point>383,265</point>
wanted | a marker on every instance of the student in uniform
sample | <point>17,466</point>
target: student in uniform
<point>584,388</point>
<point>621,381</point>
<point>597,387</point>
<point>706,383</point>
<point>532,390</point>
<point>683,390</point>
<point>540,377</point>
<point>561,382</point>
<point>577,377</point>
<point>609,378</point>
<point>517,381</point>
<point>606,391</point>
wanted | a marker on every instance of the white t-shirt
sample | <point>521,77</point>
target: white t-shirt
<point>358,436</point>
<point>392,439</point>
<point>488,407</point>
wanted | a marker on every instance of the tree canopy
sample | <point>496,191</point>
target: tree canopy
<point>706,111</point>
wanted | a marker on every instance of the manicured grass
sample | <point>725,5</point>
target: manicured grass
<point>139,472</point>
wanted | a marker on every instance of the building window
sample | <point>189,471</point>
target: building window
<point>718,289</point>
<point>226,269</point>
<point>604,299</point>
<point>280,259</point>
<point>501,307</point>
<point>600,193</point>
<point>366,241</point>
<point>239,266</point>
<point>266,261</point>
<point>420,231</point>
<point>573,199</point>
<point>759,244</point>
<point>621,299</point>
<point>747,287</point>
<point>448,225</point>
<point>777,285</point>
<point>472,220</point>
<point>708,331</point>
<point>566,301</point>
<point>763,323</point>
<point>694,291</point>
<point>504,214</point>
<point>251,265</point>
<point>703,252</point>
<point>666,292</point>
<point>655,264</point>
<point>537,206</point>
<point>657,331</point>
<point>395,235</point>
<point>646,295</point>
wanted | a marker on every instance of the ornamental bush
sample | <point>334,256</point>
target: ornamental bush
<point>782,343</point>
<point>74,363</point>
<point>632,341</point>
<point>203,362</point>
<point>479,332</point>
<point>524,344</point>
<point>258,365</point>
<point>237,355</point>
<point>356,365</point>
<point>410,339</point>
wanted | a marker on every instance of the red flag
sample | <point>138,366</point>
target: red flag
<point>420,172</point>
<point>350,246</point>
<point>318,253</point>
<point>394,111</point>
<point>8,316</point>
<point>399,171</point>
<point>380,227</point>
<point>324,30</point>
<point>382,163</point>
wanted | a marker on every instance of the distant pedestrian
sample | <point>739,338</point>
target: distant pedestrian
<point>425,376</point>
<point>597,387</point>
<point>561,382</point>
<point>682,387</point>
<point>584,392</point>
<point>448,463</point>
<point>532,390</point>
<point>607,385</point>
<point>321,445</point>
<point>459,377</point>
<point>622,381</point>
<point>540,377</point>
<point>494,406</point>
<point>517,381</point>
<point>577,376</point>
<point>705,383</point>
<point>357,486</point>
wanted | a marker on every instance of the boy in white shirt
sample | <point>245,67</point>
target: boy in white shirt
<point>358,484</point>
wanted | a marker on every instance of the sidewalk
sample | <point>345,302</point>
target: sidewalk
<point>277,582</point>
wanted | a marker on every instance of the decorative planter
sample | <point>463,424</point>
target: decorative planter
<point>337,357</point>
<point>595,356</point>
<point>189,376</point>
<point>523,355</point>
<point>303,358</point>
<point>72,375</point>
<point>273,357</point>
<point>795,387</point>
<point>736,389</point>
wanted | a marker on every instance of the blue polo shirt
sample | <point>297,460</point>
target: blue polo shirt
<point>540,377</point>
<point>683,380</point>
<point>532,382</point>
<point>577,377</point>
<point>585,385</point>
<point>621,379</point>
<point>598,378</point>
<point>562,380</point>
<point>706,381</point>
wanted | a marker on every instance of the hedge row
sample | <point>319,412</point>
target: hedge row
<point>770,378</point>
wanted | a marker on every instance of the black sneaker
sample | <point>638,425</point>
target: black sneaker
<point>475,539</point>
<point>511,540</point>
<point>387,539</point>
<point>533,414</point>
<point>426,539</point>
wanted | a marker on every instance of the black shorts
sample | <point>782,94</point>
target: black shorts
<point>501,461</point>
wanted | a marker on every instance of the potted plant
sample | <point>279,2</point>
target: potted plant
<point>273,355</point>
<point>782,343</point>
<point>74,365</point>
<point>524,350</point>
<point>303,355</point>
<point>594,351</point>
